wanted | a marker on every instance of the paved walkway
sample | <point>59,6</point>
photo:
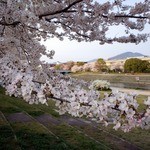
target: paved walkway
<point>141,92</point>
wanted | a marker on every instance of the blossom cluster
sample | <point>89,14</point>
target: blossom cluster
<point>100,85</point>
<point>90,66</point>
<point>120,109</point>
<point>23,24</point>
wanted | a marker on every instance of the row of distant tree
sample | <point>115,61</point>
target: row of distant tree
<point>132,65</point>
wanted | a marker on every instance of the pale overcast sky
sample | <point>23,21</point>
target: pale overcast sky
<point>84,51</point>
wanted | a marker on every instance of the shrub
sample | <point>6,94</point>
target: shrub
<point>101,85</point>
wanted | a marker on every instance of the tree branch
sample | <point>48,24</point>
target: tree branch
<point>2,33</point>
<point>60,11</point>
<point>67,26</point>
<point>10,24</point>
<point>59,99</point>
<point>34,28</point>
<point>127,16</point>
<point>3,2</point>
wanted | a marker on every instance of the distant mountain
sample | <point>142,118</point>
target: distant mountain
<point>93,60</point>
<point>126,55</point>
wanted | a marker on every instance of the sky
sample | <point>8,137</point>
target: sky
<point>84,51</point>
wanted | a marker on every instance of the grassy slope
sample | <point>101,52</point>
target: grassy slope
<point>33,136</point>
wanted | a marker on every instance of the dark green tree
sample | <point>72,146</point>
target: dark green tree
<point>58,67</point>
<point>136,65</point>
<point>80,63</point>
<point>145,66</point>
<point>101,65</point>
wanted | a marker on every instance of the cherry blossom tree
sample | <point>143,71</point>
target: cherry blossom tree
<point>24,23</point>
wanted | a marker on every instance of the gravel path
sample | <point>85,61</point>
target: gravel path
<point>141,92</point>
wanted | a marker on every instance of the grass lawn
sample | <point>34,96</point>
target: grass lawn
<point>12,105</point>
<point>32,135</point>
<point>7,138</point>
<point>88,76</point>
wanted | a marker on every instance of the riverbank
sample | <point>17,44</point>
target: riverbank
<point>137,81</point>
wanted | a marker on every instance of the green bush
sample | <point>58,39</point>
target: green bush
<point>136,65</point>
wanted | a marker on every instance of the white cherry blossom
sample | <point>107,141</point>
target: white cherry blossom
<point>24,24</point>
